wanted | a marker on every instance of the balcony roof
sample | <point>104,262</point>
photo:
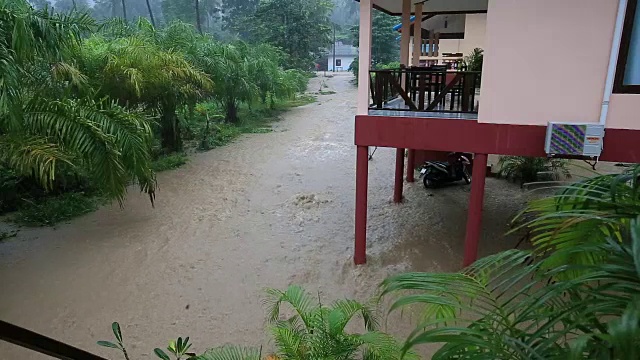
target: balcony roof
<point>441,23</point>
<point>394,7</point>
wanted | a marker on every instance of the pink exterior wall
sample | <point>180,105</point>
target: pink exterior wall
<point>546,60</point>
<point>623,111</point>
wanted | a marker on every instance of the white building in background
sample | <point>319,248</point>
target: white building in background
<point>344,56</point>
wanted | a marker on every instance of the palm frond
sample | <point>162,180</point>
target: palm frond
<point>33,156</point>
<point>230,353</point>
<point>300,301</point>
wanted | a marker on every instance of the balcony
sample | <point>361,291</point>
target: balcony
<point>425,92</point>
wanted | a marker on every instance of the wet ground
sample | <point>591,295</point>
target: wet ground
<point>266,211</point>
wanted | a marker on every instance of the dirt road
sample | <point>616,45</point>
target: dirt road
<point>266,211</point>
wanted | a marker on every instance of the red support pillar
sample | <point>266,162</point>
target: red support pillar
<point>474,218</point>
<point>362,174</point>
<point>411,165</point>
<point>397,189</point>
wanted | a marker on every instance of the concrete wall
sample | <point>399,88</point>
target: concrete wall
<point>346,61</point>
<point>474,36</point>
<point>546,60</point>
<point>475,33</point>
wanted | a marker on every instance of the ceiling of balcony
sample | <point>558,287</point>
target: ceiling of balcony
<point>434,6</point>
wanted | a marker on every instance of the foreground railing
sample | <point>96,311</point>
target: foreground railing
<point>42,344</point>
<point>425,89</point>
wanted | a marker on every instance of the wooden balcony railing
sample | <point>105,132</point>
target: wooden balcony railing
<point>425,90</point>
<point>42,344</point>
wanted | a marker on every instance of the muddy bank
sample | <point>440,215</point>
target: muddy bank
<point>268,210</point>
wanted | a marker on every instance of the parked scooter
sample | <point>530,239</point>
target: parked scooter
<point>436,173</point>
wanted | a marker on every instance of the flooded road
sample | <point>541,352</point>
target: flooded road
<point>268,210</point>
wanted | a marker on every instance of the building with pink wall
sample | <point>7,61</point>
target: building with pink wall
<point>550,67</point>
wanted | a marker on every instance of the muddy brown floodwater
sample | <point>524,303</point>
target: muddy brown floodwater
<point>268,210</point>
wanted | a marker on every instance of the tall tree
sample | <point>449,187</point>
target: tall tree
<point>40,4</point>
<point>384,47</point>
<point>44,125</point>
<point>69,5</point>
<point>301,28</point>
<point>185,10</point>
<point>234,11</point>
<point>124,10</point>
<point>198,24</point>
<point>153,20</point>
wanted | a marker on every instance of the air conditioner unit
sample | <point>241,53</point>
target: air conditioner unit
<point>570,139</point>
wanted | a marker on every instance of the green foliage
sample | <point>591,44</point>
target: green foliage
<point>474,60</point>
<point>56,209</point>
<point>45,123</point>
<point>585,213</point>
<point>527,169</point>
<point>185,11</point>
<point>542,304</point>
<point>314,332</point>
<point>4,235</point>
<point>137,71</point>
<point>169,162</point>
<point>317,331</point>
<point>301,28</point>
<point>92,100</point>
<point>230,353</point>
<point>394,65</point>
<point>384,46</point>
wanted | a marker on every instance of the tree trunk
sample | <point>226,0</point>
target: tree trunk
<point>114,5</point>
<point>124,10</point>
<point>171,139</point>
<point>74,4</point>
<point>198,24</point>
<point>153,21</point>
<point>232,112</point>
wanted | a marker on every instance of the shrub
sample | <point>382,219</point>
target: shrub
<point>169,162</point>
<point>53,210</point>
<point>527,169</point>
<point>574,296</point>
<point>314,332</point>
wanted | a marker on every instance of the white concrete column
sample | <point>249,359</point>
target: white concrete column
<point>406,32</point>
<point>364,57</point>
<point>417,35</point>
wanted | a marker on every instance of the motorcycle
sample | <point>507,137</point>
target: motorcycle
<point>436,173</point>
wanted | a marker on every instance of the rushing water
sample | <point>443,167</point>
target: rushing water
<point>266,211</point>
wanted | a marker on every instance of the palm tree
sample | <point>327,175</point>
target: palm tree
<point>43,124</point>
<point>137,72</point>
<point>317,331</point>
<point>588,211</point>
<point>573,296</point>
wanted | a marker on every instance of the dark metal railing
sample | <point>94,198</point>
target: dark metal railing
<point>42,344</point>
<point>425,89</point>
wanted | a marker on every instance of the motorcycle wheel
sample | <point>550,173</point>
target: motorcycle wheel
<point>428,182</point>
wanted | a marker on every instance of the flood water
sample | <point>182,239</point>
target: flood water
<point>268,210</point>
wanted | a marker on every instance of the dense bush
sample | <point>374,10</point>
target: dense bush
<point>529,169</point>
<point>573,296</point>
<point>86,105</point>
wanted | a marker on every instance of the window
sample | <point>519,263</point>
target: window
<point>627,78</point>
<point>339,63</point>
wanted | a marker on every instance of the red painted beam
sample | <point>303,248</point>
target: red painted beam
<point>411,165</point>
<point>471,136</point>
<point>399,181</point>
<point>474,216</point>
<point>362,174</point>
